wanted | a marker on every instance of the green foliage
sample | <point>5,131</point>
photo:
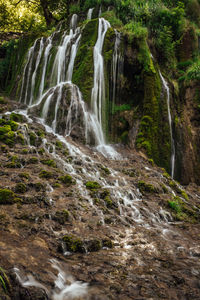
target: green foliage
<point>20,188</point>
<point>61,216</point>
<point>45,174</point>
<point>67,180</point>
<point>73,244</point>
<point>135,30</point>
<point>120,108</point>
<point>193,72</point>
<point>7,196</point>
<point>33,160</point>
<point>48,162</point>
<point>74,9</point>
<point>113,20</point>
<point>92,185</point>
<point>166,47</point>
<point>146,187</point>
<point>175,206</point>
<point>4,281</point>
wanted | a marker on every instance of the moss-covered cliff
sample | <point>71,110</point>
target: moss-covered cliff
<point>138,116</point>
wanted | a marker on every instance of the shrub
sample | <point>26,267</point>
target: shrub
<point>92,185</point>
<point>67,179</point>
<point>7,196</point>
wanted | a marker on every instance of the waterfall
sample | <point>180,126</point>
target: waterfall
<point>89,14</point>
<point>165,85</point>
<point>36,69</point>
<point>117,67</point>
<point>65,287</point>
<point>54,84</point>
<point>73,23</point>
<point>59,67</point>
<point>98,90</point>
<point>46,57</point>
<point>27,74</point>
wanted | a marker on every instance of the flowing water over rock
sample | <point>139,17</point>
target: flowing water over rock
<point>165,85</point>
<point>89,14</point>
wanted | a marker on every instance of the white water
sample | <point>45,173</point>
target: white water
<point>89,14</point>
<point>36,69</point>
<point>44,68</point>
<point>117,66</point>
<point>59,67</point>
<point>165,85</point>
<point>65,287</point>
<point>98,90</point>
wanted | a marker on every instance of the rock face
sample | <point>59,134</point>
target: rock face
<point>123,228</point>
<point>134,111</point>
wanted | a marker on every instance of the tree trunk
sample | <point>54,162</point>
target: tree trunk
<point>47,14</point>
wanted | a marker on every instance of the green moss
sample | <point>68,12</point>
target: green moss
<point>59,145</point>
<point>108,202</point>
<point>41,151</point>
<point>16,117</point>
<point>92,185</point>
<point>67,180</point>
<point>94,245</point>
<point>20,138</point>
<point>33,138</point>
<point>48,162</point>
<point>83,70</point>
<point>61,216</point>
<point>33,160</point>
<point>39,186</point>
<point>20,188</point>
<point>24,151</point>
<point>175,206</point>
<point>14,162</point>
<point>24,175</point>
<point>7,196</point>
<point>146,187</point>
<point>73,244</point>
<point>56,185</point>
<point>184,195</point>
<point>105,170</point>
<point>107,243</point>
<point>45,174</point>
<point>41,133</point>
<point>2,100</point>
<point>183,211</point>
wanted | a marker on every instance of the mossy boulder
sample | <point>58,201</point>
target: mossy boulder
<point>7,197</point>
<point>146,187</point>
<point>33,160</point>
<point>92,185</point>
<point>94,245</point>
<point>67,180</point>
<point>20,188</point>
<point>45,174</point>
<point>73,244</point>
<point>48,162</point>
<point>61,216</point>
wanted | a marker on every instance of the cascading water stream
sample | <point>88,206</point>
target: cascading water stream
<point>98,90</point>
<point>165,85</point>
<point>117,67</point>
<point>65,287</point>
<point>46,57</point>
<point>61,76</point>
<point>36,69</point>
<point>89,14</point>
